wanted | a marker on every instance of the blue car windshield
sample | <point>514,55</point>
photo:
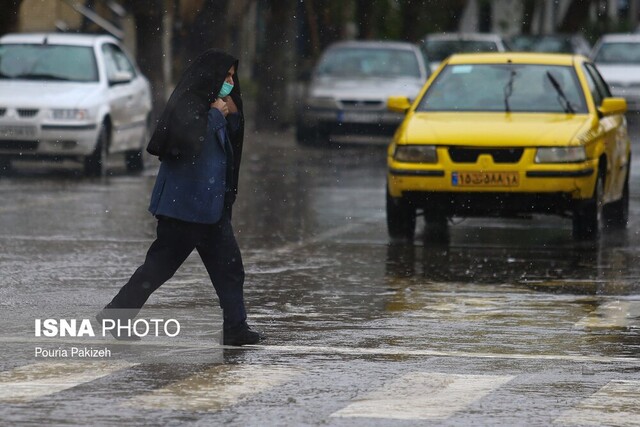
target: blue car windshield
<point>48,62</point>
<point>529,88</point>
<point>369,62</point>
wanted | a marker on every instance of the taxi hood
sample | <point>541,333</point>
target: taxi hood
<point>494,129</point>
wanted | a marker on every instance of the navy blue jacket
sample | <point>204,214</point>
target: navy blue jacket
<point>194,188</point>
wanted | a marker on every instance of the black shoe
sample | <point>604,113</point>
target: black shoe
<point>241,335</point>
<point>102,316</point>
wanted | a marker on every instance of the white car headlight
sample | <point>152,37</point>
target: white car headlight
<point>416,154</point>
<point>561,155</point>
<point>322,102</point>
<point>69,114</point>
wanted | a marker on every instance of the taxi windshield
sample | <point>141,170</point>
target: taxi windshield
<point>48,62</point>
<point>505,88</point>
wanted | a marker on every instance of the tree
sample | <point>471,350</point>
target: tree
<point>148,17</point>
<point>9,16</point>
<point>577,16</point>
<point>274,68</point>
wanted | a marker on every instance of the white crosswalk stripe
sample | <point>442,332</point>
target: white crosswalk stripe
<point>30,382</point>
<point>612,315</point>
<point>424,396</point>
<point>615,404</point>
<point>216,388</point>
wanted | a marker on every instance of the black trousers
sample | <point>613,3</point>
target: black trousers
<point>175,240</point>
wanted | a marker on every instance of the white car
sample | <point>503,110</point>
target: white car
<point>347,97</point>
<point>439,46</point>
<point>71,96</point>
<point>617,57</point>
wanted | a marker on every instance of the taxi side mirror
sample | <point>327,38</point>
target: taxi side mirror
<point>399,104</point>
<point>611,106</point>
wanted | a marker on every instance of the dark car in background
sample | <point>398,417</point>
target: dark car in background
<point>438,47</point>
<point>347,97</point>
<point>551,43</point>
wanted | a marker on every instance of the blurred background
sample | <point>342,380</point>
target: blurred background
<point>279,41</point>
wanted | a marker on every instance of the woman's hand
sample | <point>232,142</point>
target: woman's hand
<point>222,106</point>
<point>232,105</point>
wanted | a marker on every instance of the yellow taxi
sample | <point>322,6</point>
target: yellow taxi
<point>510,135</point>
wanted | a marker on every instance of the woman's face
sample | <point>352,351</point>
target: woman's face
<point>230,73</point>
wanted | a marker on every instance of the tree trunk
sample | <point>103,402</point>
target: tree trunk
<point>274,70</point>
<point>209,29</point>
<point>149,50</point>
<point>412,21</point>
<point>576,17</point>
<point>366,18</point>
<point>529,9</point>
<point>9,16</point>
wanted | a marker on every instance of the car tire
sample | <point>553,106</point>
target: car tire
<point>95,163</point>
<point>401,218</point>
<point>588,216</point>
<point>616,214</point>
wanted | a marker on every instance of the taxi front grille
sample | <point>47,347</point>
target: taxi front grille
<point>499,155</point>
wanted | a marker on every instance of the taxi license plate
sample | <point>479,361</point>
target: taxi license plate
<point>485,179</point>
<point>17,131</point>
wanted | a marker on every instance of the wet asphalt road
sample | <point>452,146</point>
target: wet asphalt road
<point>505,322</point>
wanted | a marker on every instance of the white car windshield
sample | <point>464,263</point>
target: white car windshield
<point>619,53</point>
<point>369,62</point>
<point>505,87</point>
<point>48,62</point>
<point>439,50</point>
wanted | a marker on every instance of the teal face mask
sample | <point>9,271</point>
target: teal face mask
<point>226,90</point>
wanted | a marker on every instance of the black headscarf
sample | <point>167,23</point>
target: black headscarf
<point>182,126</point>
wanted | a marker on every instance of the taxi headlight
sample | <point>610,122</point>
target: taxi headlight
<point>70,114</point>
<point>321,102</point>
<point>561,155</point>
<point>416,154</point>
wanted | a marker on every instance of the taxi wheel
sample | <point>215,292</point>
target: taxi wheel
<point>587,218</point>
<point>616,214</point>
<point>94,164</point>
<point>401,218</point>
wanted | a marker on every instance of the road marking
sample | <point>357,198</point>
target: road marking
<point>215,389</point>
<point>399,351</point>
<point>612,315</point>
<point>355,351</point>
<point>30,382</point>
<point>615,404</point>
<point>424,396</point>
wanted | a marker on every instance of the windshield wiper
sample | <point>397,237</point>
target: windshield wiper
<point>562,98</point>
<point>40,76</point>
<point>508,90</point>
